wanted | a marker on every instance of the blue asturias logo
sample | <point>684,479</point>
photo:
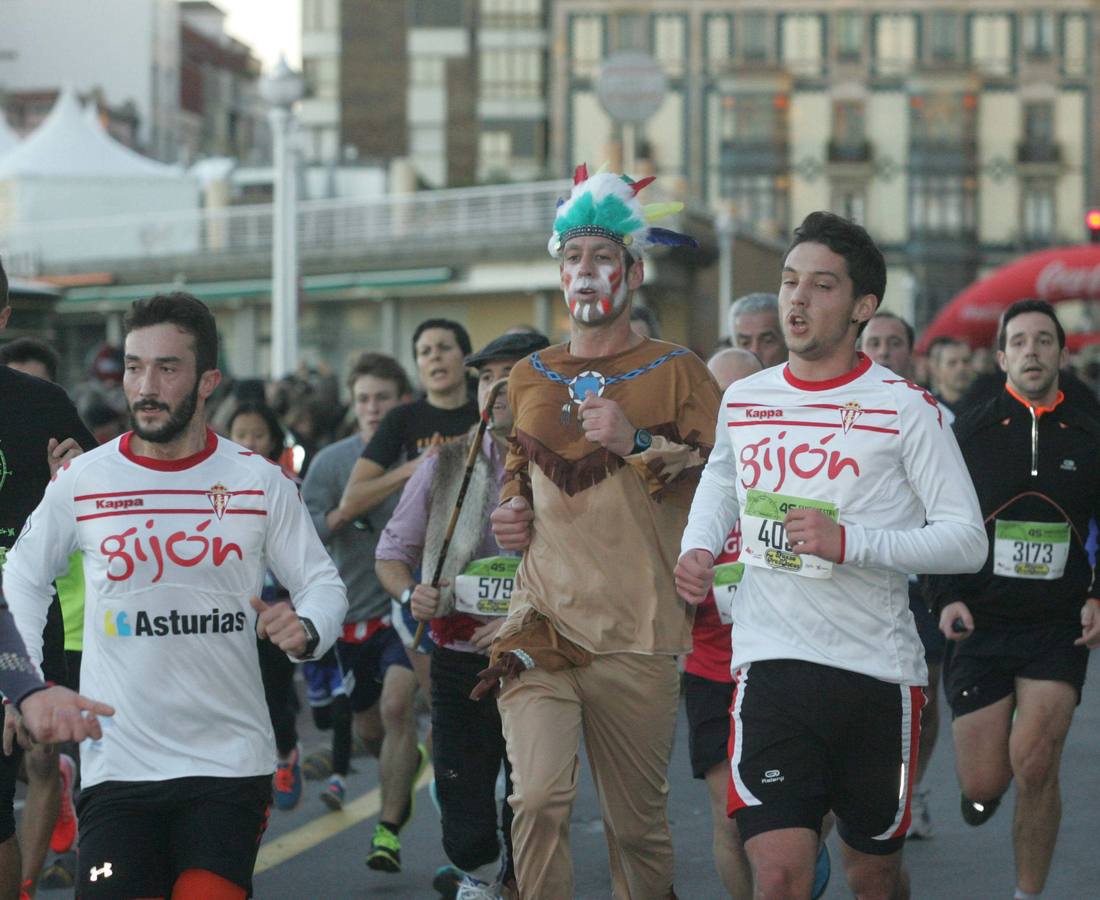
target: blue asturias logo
<point>117,624</point>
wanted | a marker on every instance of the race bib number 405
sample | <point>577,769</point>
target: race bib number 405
<point>485,588</point>
<point>764,539</point>
<point>1030,549</point>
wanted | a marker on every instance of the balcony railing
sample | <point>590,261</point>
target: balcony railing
<point>849,151</point>
<point>1038,153</point>
<point>369,231</point>
<point>949,157</point>
<point>754,157</point>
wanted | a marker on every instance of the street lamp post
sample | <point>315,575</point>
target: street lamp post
<point>281,89</point>
<point>725,229</point>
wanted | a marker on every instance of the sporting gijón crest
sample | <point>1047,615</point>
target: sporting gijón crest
<point>219,497</point>
<point>849,412</point>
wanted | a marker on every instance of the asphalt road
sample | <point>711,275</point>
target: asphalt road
<point>314,854</point>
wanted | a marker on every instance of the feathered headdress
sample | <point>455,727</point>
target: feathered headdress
<point>606,205</point>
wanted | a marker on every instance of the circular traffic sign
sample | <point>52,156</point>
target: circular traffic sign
<point>631,86</point>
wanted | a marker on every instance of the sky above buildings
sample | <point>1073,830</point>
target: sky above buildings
<point>270,27</point>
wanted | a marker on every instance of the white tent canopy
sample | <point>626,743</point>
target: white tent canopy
<point>67,144</point>
<point>69,170</point>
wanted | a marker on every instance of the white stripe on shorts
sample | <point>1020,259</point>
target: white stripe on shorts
<point>906,755</point>
<point>741,676</point>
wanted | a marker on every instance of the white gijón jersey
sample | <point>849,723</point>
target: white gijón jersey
<point>875,453</point>
<point>173,552</point>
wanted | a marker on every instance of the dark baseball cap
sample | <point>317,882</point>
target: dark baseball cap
<point>508,346</point>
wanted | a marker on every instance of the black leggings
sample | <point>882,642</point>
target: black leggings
<point>282,704</point>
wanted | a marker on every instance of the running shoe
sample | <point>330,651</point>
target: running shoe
<point>472,888</point>
<point>333,794</point>
<point>823,870</point>
<point>288,782</point>
<point>317,765</point>
<point>421,764</point>
<point>920,823</point>
<point>385,851</point>
<point>58,874</point>
<point>447,881</point>
<point>975,813</point>
<point>24,891</point>
<point>64,830</point>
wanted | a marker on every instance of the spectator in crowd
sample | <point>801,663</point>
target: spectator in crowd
<point>254,425</point>
<point>31,356</point>
<point>754,324</point>
<point>949,367</point>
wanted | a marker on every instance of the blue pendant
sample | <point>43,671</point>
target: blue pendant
<point>585,382</point>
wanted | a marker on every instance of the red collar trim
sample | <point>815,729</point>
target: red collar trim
<point>1039,410</point>
<point>861,366</point>
<point>168,465</point>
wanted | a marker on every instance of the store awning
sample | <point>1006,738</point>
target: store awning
<point>213,291</point>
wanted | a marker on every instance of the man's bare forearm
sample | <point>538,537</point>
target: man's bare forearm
<point>394,575</point>
<point>365,490</point>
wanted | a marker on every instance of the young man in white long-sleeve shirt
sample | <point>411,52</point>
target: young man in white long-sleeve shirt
<point>176,527</point>
<point>845,478</point>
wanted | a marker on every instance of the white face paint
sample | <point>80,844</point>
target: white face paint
<point>593,280</point>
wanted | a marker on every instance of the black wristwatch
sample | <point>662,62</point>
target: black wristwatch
<point>312,637</point>
<point>642,441</point>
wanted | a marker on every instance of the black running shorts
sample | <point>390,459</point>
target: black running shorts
<point>707,704</point>
<point>365,664</point>
<point>137,837</point>
<point>806,738</point>
<point>983,669</point>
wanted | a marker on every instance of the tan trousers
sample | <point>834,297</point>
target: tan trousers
<point>625,706</point>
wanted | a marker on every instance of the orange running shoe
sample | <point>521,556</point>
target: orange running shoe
<point>64,831</point>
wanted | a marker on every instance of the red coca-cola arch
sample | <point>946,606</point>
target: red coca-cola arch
<point>1055,275</point>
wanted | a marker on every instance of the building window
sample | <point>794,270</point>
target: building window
<point>511,13</point>
<point>587,45</point>
<point>944,117</point>
<point>511,74</point>
<point>718,40</point>
<point>630,32</point>
<point>849,36</point>
<point>427,71</point>
<point>755,36</point>
<point>802,44</point>
<point>494,154</point>
<point>320,15</point>
<point>991,43</point>
<point>759,199</point>
<point>668,44</point>
<point>1037,213</point>
<point>322,76</point>
<point>849,127</point>
<point>943,36</point>
<point>756,118</point>
<point>1039,123</point>
<point>895,44</point>
<point>850,202</point>
<point>942,206</point>
<point>1039,35</point>
<point>1075,46</point>
<point>433,14</point>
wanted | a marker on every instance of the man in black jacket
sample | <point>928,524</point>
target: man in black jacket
<point>1024,624</point>
<point>39,431</point>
